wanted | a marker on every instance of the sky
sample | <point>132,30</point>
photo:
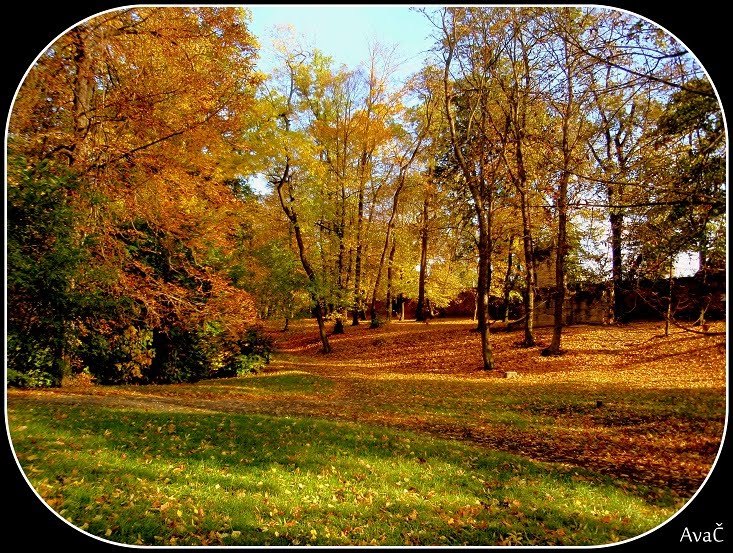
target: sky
<point>345,32</point>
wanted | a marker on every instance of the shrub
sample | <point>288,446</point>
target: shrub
<point>34,378</point>
<point>30,362</point>
<point>248,354</point>
<point>208,352</point>
<point>117,356</point>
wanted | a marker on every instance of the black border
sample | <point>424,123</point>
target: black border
<point>31,27</point>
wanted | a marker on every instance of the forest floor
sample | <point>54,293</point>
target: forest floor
<point>397,437</point>
<point>624,401</point>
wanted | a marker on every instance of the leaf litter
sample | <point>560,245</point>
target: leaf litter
<point>623,401</point>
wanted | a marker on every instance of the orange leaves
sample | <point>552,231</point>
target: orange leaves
<point>646,433</point>
<point>233,307</point>
<point>149,108</point>
<point>139,80</point>
<point>589,407</point>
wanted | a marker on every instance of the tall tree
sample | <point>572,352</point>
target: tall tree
<point>468,50</point>
<point>625,114</point>
<point>684,210</point>
<point>285,180</point>
<point>404,162</point>
<point>568,100</point>
<point>518,81</point>
<point>372,122</point>
<point>421,311</point>
<point>144,106</point>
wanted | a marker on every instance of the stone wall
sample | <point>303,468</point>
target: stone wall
<point>588,306</point>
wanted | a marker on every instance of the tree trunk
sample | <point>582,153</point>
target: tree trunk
<point>484,286</point>
<point>559,295</point>
<point>703,271</point>
<point>529,272</point>
<point>314,295</point>
<point>562,209</point>
<point>163,347</point>
<point>340,287</point>
<point>390,261</point>
<point>475,305</point>
<point>357,266</point>
<point>616,221</point>
<point>82,92</point>
<point>508,279</point>
<point>420,311</point>
<point>387,238</point>
<point>322,327</point>
<point>519,102</point>
<point>289,210</point>
<point>668,314</point>
<point>338,327</point>
<point>342,248</point>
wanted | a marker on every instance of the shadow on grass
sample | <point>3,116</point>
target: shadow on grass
<point>244,479</point>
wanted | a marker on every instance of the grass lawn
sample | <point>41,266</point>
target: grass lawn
<point>394,439</point>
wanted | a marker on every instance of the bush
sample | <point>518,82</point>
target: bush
<point>34,378</point>
<point>256,343</point>
<point>246,355</point>
<point>30,362</point>
<point>180,355</point>
<point>137,354</point>
<point>118,356</point>
<point>247,364</point>
<point>207,352</point>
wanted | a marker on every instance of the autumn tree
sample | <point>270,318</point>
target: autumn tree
<point>328,101</point>
<point>692,126</point>
<point>684,210</point>
<point>408,145</point>
<point>142,107</point>
<point>637,68</point>
<point>517,76</point>
<point>468,54</point>
<point>265,263</point>
<point>625,114</point>
<point>568,99</point>
<point>292,156</point>
<point>46,261</point>
<point>372,132</point>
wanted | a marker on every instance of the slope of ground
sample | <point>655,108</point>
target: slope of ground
<point>624,401</point>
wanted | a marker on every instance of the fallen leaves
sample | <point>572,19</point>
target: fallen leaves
<point>621,402</point>
<point>604,433</point>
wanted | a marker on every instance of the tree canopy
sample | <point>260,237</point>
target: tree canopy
<point>164,195</point>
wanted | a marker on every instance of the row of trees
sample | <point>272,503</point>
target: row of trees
<point>529,132</point>
<point>138,248</point>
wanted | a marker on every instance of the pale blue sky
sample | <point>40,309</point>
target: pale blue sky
<point>344,32</point>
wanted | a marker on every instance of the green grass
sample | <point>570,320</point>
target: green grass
<point>156,478</point>
<point>290,381</point>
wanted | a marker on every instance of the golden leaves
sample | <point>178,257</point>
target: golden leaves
<point>657,424</point>
<point>587,407</point>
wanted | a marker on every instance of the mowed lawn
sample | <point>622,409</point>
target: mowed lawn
<point>396,438</point>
